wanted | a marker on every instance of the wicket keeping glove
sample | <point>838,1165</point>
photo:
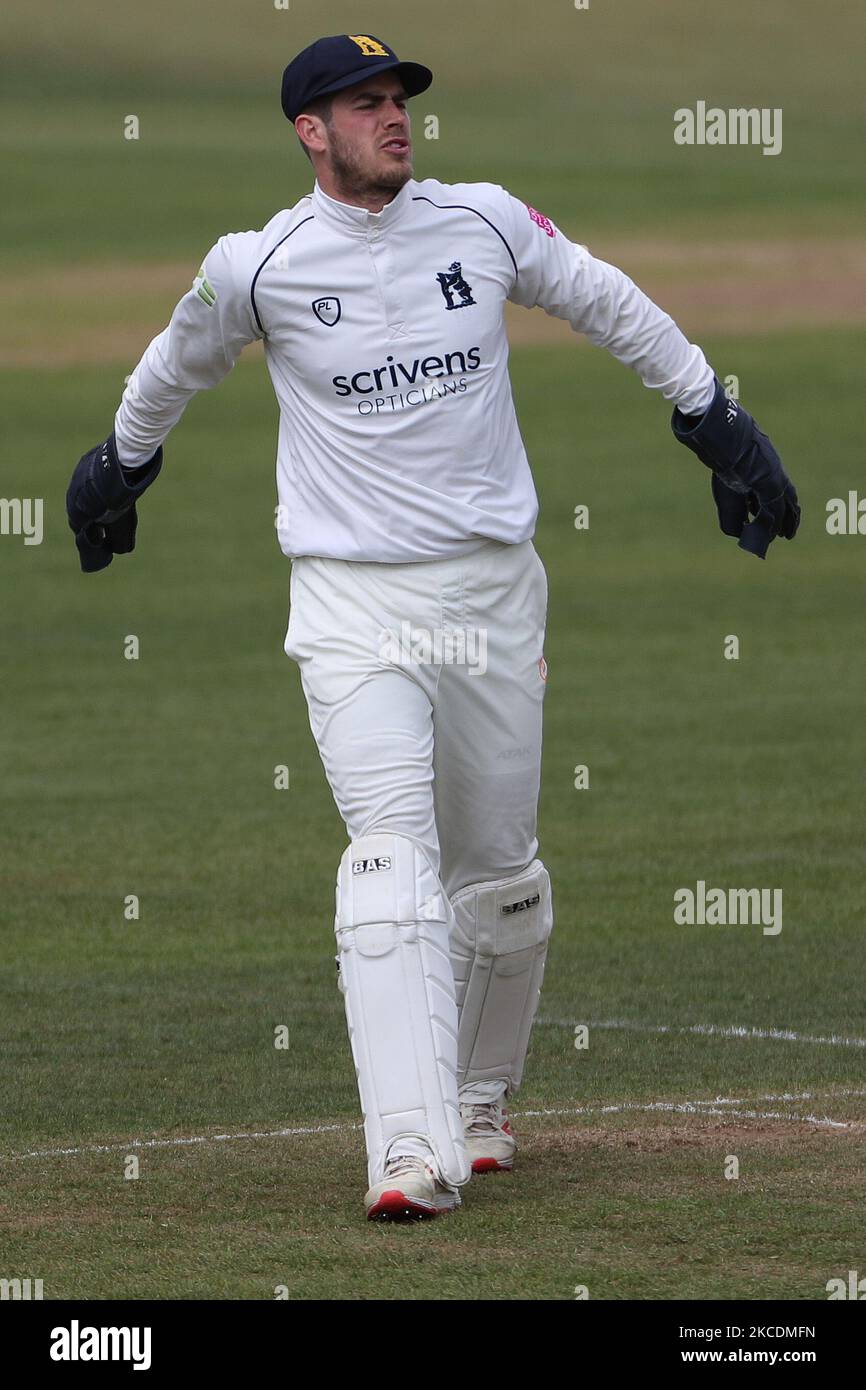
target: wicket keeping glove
<point>748,477</point>
<point>100,503</point>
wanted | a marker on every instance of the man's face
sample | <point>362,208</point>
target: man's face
<point>368,143</point>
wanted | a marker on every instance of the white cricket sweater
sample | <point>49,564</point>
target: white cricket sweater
<point>385,340</point>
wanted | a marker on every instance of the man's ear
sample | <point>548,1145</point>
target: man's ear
<point>309,130</point>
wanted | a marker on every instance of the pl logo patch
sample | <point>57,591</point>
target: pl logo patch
<point>328,310</point>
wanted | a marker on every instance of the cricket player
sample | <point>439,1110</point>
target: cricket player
<point>418,602</point>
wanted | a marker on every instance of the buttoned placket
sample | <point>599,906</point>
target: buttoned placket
<point>375,229</point>
<point>386,281</point>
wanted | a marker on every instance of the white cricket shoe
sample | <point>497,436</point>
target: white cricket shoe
<point>489,1142</point>
<point>410,1190</point>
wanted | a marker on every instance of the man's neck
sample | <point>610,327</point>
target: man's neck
<point>373,199</point>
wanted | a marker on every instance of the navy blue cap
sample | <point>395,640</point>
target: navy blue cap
<point>331,64</point>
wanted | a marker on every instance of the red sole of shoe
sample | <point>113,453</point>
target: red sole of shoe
<point>490,1165</point>
<point>396,1206</point>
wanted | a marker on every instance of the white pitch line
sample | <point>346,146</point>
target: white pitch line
<point>786,1095</point>
<point>708,1030</point>
<point>687,1107</point>
<point>181,1142</point>
<point>704,1107</point>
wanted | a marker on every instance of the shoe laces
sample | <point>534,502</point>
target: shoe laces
<point>402,1165</point>
<point>483,1118</point>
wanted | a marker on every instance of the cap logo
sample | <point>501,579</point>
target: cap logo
<point>371,48</point>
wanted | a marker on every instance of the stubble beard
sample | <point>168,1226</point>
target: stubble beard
<point>355,177</point>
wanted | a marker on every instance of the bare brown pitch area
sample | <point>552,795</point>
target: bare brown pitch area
<point>732,287</point>
<point>95,315</point>
<point>626,1208</point>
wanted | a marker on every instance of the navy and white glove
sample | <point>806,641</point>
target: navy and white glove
<point>748,477</point>
<point>100,503</point>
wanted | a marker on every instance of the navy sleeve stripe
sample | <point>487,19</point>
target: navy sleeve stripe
<point>264,263</point>
<point>464,207</point>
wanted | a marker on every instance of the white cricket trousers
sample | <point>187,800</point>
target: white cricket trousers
<point>424,684</point>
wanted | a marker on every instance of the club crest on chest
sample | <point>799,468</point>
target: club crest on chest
<point>452,282</point>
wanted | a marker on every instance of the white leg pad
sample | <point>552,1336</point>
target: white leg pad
<point>499,940</point>
<point>392,928</point>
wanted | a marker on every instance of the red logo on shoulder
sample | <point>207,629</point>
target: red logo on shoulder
<point>542,221</point>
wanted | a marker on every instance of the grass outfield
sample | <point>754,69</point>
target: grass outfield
<point>573,110</point>
<point>155,777</point>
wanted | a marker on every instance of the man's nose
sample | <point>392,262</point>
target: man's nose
<point>396,115</point>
